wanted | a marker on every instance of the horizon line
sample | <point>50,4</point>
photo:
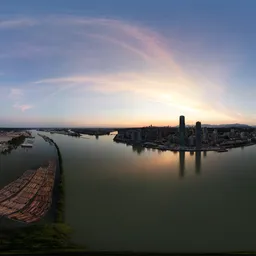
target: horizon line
<point>113,127</point>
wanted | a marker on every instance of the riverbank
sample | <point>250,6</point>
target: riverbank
<point>12,144</point>
<point>177,148</point>
<point>42,236</point>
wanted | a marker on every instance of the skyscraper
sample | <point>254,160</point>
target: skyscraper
<point>205,133</point>
<point>215,136</point>
<point>198,135</point>
<point>182,131</point>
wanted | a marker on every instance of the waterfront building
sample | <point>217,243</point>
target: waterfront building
<point>138,136</point>
<point>198,135</point>
<point>243,135</point>
<point>191,141</point>
<point>151,134</point>
<point>205,134</point>
<point>182,131</point>
<point>215,136</point>
<point>159,134</point>
<point>232,133</point>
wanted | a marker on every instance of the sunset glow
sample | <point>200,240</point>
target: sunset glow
<point>79,70</point>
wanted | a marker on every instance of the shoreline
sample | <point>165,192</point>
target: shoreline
<point>220,149</point>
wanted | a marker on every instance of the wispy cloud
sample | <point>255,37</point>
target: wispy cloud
<point>15,93</point>
<point>16,23</point>
<point>153,87</point>
<point>154,71</point>
<point>23,107</point>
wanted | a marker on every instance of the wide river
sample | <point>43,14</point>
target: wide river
<point>126,199</point>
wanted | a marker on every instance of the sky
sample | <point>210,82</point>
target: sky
<point>114,63</point>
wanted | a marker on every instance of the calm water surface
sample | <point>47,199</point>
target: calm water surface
<point>122,198</point>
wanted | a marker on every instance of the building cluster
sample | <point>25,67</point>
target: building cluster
<point>187,137</point>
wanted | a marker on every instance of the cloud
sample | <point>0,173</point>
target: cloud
<point>16,23</point>
<point>15,93</point>
<point>23,107</point>
<point>156,88</point>
<point>147,64</point>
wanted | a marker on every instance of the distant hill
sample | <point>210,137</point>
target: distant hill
<point>223,126</point>
<point>227,126</point>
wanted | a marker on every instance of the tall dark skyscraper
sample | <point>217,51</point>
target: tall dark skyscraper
<point>182,130</point>
<point>198,135</point>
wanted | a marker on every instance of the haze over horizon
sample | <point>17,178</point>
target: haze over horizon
<point>137,63</point>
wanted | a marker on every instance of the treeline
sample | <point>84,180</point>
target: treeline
<point>61,191</point>
<point>60,202</point>
<point>13,144</point>
<point>16,141</point>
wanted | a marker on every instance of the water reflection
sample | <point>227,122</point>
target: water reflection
<point>138,149</point>
<point>191,153</point>
<point>198,162</point>
<point>97,137</point>
<point>182,163</point>
<point>205,153</point>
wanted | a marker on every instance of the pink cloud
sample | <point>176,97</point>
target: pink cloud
<point>23,107</point>
<point>164,81</point>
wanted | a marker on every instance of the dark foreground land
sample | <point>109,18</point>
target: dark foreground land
<point>95,253</point>
<point>41,237</point>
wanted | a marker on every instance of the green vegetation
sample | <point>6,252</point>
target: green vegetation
<point>17,140</point>
<point>61,190</point>
<point>14,143</point>
<point>36,238</point>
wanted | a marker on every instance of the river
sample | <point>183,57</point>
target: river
<point>125,199</point>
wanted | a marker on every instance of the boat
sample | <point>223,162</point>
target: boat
<point>222,150</point>
<point>26,145</point>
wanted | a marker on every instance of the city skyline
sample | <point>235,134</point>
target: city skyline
<point>99,64</point>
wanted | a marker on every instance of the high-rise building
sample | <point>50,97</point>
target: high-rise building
<point>198,135</point>
<point>191,140</point>
<point>136,135</point>
<point>232,133</point>
<point>205,134</point>
<point>243,135</point>
<point>182,131</point>
<point>215,136</point>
